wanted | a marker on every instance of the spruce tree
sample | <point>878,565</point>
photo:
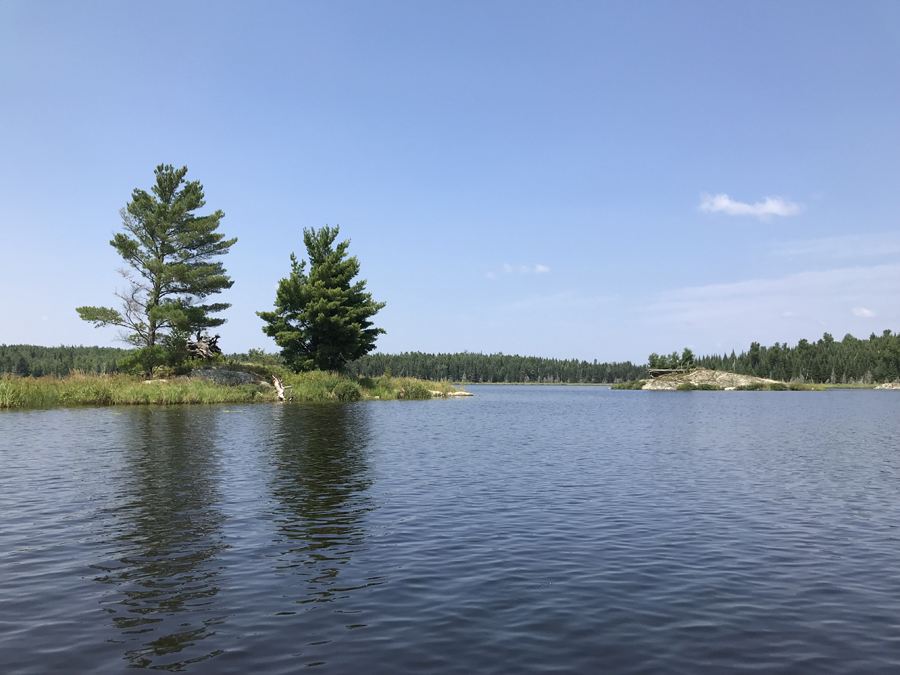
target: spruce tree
<point>321,320</point>
<point>171,254</point>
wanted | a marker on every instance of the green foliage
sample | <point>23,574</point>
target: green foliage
<point>672,361</point>
<point>89,389</point>
<point>121,389</point>
<point>345,390</point>
<point>703,386</point>
<point>170,252</point>
<point>415,391</point>
<point>849,361</point>
<point>471,367</point>
<point>37,361</point>
<point>321,321</point>
<point>144,360</point>
<point>636,384</point>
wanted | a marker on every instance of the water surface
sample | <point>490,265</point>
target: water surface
<point>528,530</point>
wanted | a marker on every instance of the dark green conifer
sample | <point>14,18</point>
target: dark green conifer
<point>321,320</point>
<point>171,254</point>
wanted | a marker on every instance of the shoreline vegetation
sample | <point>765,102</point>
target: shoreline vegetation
<point>850,361</point>
<point>223,384</point>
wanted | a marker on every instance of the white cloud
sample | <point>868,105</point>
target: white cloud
<point>836,248</point>
<point>526,269</point>
<point>558,302</point>
<point>764,210</point>
<point>490,275</point>
<point>778,309</point>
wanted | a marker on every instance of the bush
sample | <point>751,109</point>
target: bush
<point>144,361</point>
<point>345,390</point>
<point>753,386</point>
<point>415,391</point>
<point>778,386</point>
<point>636,384</point>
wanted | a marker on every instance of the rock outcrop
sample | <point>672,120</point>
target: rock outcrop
<point>717,378</point>
<point>225,376</point>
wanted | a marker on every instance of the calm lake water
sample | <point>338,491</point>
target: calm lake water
<point>526,530</point>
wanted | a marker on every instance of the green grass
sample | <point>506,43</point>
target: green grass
<point>84,389</point>
<point>95,390</point>
<point>690,386</point>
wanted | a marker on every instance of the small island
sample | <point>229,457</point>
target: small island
<point>703,379</point>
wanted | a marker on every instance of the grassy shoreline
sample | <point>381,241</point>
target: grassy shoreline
<point>80,389</point>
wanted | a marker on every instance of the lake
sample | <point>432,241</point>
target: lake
<point>525,530</point>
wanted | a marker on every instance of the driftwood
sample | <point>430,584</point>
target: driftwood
<point>204,347</point>
<point>280,388</point>
<point>656,372</point>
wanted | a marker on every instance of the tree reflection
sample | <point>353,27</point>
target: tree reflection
<point>320,483</point>
<point>168,531</point>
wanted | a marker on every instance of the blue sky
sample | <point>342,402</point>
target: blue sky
<point>563,179</point>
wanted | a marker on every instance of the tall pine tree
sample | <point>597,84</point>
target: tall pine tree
<point>321,319</point>
<point>171,254</point>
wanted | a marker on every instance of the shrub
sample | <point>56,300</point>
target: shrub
<point>636,384</point>
<point>345,390</point>
<point>416,391</point>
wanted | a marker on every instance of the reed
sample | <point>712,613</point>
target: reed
<point>98,390</point>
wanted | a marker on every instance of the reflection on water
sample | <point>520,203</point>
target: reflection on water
<point>168,533</point>
<point>320,483</point>
<point>527,530</point>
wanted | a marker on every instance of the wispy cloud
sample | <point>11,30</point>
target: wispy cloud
<point>775,307</point>
<point>835,248</point>
<point>526,269</point>
<point>558,302</point>
<point>764,210</point>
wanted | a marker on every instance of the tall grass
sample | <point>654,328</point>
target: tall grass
<point>94,389</point>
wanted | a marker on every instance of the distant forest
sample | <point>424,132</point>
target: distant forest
<point>27,360</point>
<point>825,361</point>
<point>468,367</point>
<point>848,361</point>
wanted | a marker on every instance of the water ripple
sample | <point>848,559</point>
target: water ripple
<point>526,530</point>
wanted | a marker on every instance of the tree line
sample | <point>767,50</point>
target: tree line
<point>472,367</point>
<point>848,361</point>
<point>28,360</point>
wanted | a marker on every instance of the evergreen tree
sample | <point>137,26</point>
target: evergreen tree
<point>321,321</point>
<point>170,252</point>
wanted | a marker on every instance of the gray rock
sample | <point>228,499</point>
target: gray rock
<point>224,376</point>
